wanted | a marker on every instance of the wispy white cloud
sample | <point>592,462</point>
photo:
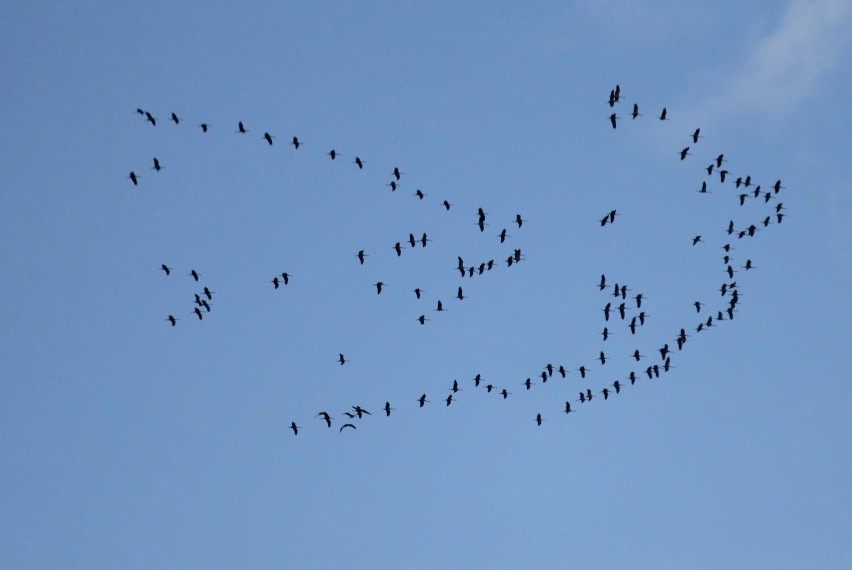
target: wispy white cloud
<point>785,66</point>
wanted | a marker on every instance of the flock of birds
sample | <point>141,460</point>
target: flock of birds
<point>623,299</point>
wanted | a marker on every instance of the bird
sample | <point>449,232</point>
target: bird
<point>398,249</point>
<point>388,409</point>
<point>360,411</point>
<point>396,172</point>
<point>392,185</point>
<point>636,355</point>
<point>684,153</point>
<point>418,292</point>
<point>528,383</point>
<point>612,119</point>
<point>519,220</point>
<point>446,205</point>
<point>172,319</point>
<point>605,333</point>
<point>562,371</point>
<point>602,358</point>
<point>639,298</point>
<point>341,359</point>
<point>198,313</point>
<point>166,268</point>
<point>422,400</point>
<point>605,393</point>
<point>503,235</point>
<point>696,240</point>
<point>411,240</point>
<point>275,282</point>
<point>449,399</point>
<point>568,409</point>
<point>440,306</point>
<point>455,388</point>
<point>722,174</point>
<point>295,142</point>
<point>347,426</point>
<point>505,393</point>
<point>379,286</point>
<point>204,127</point>
<point>150,118</point>
<point>606,311</point>
<point>241,128</point>
<point>295,428</point>
<point>359,162</point>
<point>361,255</point>
<point>422,319</point>
<point>333,154</point>
<point>719,160</point>
<point>617,386</point>
<point>696,136</point>
<point>538,419</point>
<point>175,118</point>
<point>703,188</point>
<point>635,112</point>
<point>419,193</point>
<point>748,265</point>
<point>134,178</point>
<point>157,166</point>
<point>582,371</point>
<point>286,277</point>
<point>662,116</point>
<point>460,294</point>
<point>268,138</point>
<point>195,274</point>
<point>603,282</point>
<point>325,417</point>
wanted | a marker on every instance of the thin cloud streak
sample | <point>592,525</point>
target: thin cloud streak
<point>785,67</point>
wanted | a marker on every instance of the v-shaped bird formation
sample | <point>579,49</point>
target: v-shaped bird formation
<point>623,309</point>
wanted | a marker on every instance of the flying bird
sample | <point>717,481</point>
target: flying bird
<point>268,138</point>
<point>295,428</point>
<point>172,320</point>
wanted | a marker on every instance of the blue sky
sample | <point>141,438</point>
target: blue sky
<point>125,442</point>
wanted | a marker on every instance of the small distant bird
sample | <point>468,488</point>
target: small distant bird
<point>519,220</point>
<point>422,399</point>
<point>333,154</point>
<point>568,409</point>
<point>635,112</point>
<point>440,306</point>
<point>455,388</point>
<point>446,205</point>
<point>361,255</point>
<point>613,119</point>
<point>295,142</point>
<point>341,359</point>
<point>424,240</point>
<point>347,426</point>
<point>602,283</point>
<point>398,249</point>
<point>460,294</point>
<point>528,383</point>
<point>505,393</point>
<point>662,116</point>
<point>204,127</point>
<point>449,399</point>
<point>392,185</point>
<point>268,138</point>
<point>696,239</point>
<point>538,419</point>
<point>359,162</point>
<point>172,320</point>
<point>157,166</point>
<point>175,118</point>
<point>388,409</point>
<point>503,235</point>
<point>379,286</point>
<point>684,153</point>
<point>195,274</point>
<point>602,357</point>
<point>275,282</point>
<point>295,428</point>
<point>241,128</point>
<point>150,118</point>
<point>422,319</point>
<point>696,136</point>
<point>134,178</point>
<point>419,193</point>
<point>166,268</point>
<point>396,173</point>
<point>418,292</point>
<point>286,277</point>
<point>582,371</point>
<point>719,160</point>
<point>325,417</point>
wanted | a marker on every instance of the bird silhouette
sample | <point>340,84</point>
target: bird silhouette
<point>333,154</point>
<point>361,255</point>
<point>519,220</point>
<point>538,419</point>
<point>241,128</point>
<point>446,205</point>
<point>341,359</point>
<point>662,116</point>
<point>325,417</point>
<point>422,400</point>
<point>696,136</point>
<point>684,153</point>
<point>295,142</point>
<point>344,426</point>
<point>295,428</point>
<point>359,162</point>
<point>379,286</point>
<point>166,269</point>
<point>388,409</point>
<point>172,319</point>
<point>204,127</point>
<point>175,118</point>
<point>157,166</point>
<point>268,138</point>
<point>195,274</point>
<point>635,112</point>
<point>134,178</point>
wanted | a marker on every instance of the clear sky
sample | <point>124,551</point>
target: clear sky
<point>126,442</point>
